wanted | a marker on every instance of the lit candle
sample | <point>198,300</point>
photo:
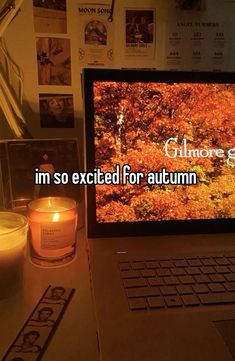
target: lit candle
<point>13,236</point>
<point>53,224</point>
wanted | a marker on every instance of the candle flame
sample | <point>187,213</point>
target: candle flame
<point>56,217</point>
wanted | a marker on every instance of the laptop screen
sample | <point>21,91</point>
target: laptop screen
<point>160,152</point>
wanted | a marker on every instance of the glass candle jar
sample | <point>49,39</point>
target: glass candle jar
<point>53,230</point>
<point>13,237</point>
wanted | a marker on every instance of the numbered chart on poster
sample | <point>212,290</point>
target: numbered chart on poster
<point>196,45</point>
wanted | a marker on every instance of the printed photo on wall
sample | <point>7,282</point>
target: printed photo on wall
<point>54,61</point>
<point>50,16</point>
<point>140,32</point>
<point>56,110</point>
<point>188,4</point>
<point>96,35</point>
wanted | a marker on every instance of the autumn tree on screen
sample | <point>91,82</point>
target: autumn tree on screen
<point>133,122</point>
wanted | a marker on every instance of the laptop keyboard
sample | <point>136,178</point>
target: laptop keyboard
<point>179,282</point>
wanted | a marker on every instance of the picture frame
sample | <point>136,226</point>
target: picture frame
<point>20,158</point>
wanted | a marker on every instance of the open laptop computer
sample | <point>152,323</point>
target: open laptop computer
<point>161,248</point>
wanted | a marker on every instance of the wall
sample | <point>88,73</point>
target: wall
<point>20,38</point>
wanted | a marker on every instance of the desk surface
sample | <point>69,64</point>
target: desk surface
<point>75,338</point>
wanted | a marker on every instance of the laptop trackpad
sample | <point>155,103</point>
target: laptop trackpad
<point>227,330</point>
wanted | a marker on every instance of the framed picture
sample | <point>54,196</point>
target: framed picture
<point>20,158</point>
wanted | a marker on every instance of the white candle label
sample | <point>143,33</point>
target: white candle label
<point>57,235</point>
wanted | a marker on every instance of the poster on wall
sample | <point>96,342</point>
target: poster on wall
<point>50,16</point>
<point>56,110</point>
<point>140,32</point>
<point>96,35</point>
<point>196,45</point>
<point>54,61</point>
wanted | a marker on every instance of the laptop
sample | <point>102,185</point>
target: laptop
<point>160,213</point>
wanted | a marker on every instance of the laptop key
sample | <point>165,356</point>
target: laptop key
<point>230,286</point>
<point>195,262</point>
<point>163,272</point>
<point>137,304</point>
<point>173,301</point>
<point>178,271</point>
<point>190,300</point>
<point>156,302</point>
<point>216,287</point>
<point>222,269</point>
<point>168,290</point>
<point>156,281</point>
<point>134,282</point>
<point>202,279</point>
<point>152,264</point>
<point>193,270</point>
<point>200,288</point>
<point>232,260</point>
<point>154,291</point>
<point>230,277</point>
<point>184,289</point>
<point>207,270</point>
<point>217,277</point>
<point>166,264</point>
<point>180,263</point>
<point>142,292</point>
<point>232,268</point>
<point>217,298</point>
<point>222,261</point>
<point>171,280</point>
<point>186,280</point>
<point>148,273</point>
<point>208,262</point>
<point>130,274</point>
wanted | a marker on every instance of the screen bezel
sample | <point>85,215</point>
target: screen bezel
<point>117,229</point>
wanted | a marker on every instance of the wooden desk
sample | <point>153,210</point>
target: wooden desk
<point>75,338</point>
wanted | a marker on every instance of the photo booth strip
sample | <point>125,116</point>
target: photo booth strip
<point>35,335</point>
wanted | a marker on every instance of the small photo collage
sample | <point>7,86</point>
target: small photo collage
<point>53,63</point>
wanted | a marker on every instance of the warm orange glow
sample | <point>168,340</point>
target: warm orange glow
<point>52,221</point>
<point>56,217</point>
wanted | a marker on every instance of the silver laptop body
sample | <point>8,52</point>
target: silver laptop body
<point>129,117</point>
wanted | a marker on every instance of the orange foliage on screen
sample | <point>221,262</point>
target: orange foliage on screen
<point>133,122</point>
